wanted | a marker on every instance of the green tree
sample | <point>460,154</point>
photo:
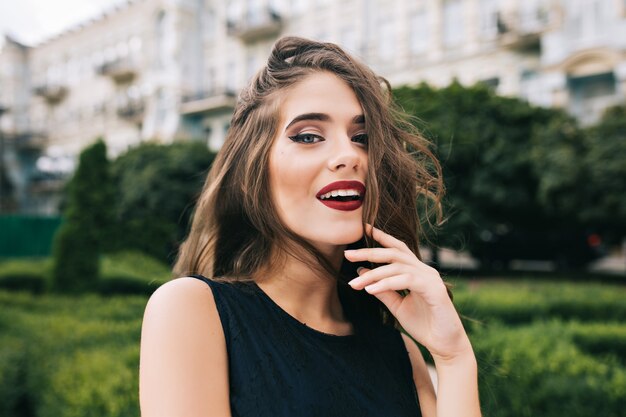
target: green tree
<point>486,144</point>
<point>157,187</point>
<point>88,222</point>
<point>604,203</point>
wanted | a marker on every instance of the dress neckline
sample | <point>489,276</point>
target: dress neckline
<point>303,326</point>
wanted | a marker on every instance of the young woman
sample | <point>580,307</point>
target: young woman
<point>302,262</point>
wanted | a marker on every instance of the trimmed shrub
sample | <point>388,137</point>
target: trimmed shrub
<point>600,339</point>
<point>157,188</point>
<point>88,223</point>
<point>35,284</point>
<point>126,286</point>
<point>538,371</point>
<point>94,383</point>
<point>76,268</point>
<point>12,366</point>
<point>526,301</point>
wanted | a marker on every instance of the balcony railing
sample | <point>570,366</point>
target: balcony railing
<point>121,71</point>
<point>211,101</point>
<point>52,93</point>
<point>261,24</point>
<point>132,111</point>
<point>522,30</point>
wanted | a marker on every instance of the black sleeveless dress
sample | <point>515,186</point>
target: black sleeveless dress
<point>279,366</point>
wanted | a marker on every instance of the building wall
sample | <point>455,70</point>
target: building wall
<point>170,69</point>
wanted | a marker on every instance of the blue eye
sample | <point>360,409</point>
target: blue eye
<point>307,138</point>
<point>360,138</point>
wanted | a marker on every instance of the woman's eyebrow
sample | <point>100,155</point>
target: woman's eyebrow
<point>323,117</point>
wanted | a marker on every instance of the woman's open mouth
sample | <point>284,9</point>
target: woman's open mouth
<point>342,195</point>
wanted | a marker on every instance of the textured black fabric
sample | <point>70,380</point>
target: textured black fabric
<point>279,366</point>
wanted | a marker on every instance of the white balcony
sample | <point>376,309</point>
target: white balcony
<point>207,102</point>
<point>122,71</point>
<point>52,93</point>
<point>260,24</point>
<point>522,29</point>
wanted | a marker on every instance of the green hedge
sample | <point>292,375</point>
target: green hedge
<point>78,356</point>
<point>538,370</point>
<point>526,301</point>
<point>126,272</point>
<point>65,357</point>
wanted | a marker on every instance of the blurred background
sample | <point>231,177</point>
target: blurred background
<point>111,113</point>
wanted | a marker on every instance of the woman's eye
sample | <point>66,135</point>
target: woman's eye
<point>360,138</point>
<point>306,138</point>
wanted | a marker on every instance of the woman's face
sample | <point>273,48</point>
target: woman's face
<point>318,162</point>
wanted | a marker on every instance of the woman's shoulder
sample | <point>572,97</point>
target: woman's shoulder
<point>181,303</point>
<point>177,358</point>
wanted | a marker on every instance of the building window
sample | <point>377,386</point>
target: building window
<point>590,95</point>
<point>419,32</point>
<point>453,23</point>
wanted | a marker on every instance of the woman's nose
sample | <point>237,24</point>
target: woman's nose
<point>345,155</point>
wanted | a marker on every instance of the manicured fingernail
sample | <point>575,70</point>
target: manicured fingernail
<point>359,269</point>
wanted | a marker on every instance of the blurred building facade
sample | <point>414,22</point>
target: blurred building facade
<point>170,70</point>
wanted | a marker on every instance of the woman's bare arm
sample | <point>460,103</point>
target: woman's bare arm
<point>421,378</point>
<point>183,362</point>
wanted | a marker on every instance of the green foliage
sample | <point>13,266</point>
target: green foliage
<point>63,356</point>
<point>527,301</point>
<point>157,186</point>
<point>132,272</point>
<point>88,223</point>
<point>538,370</point>
<point>604,199</point>
<point>68,356</point>
<point>76,267</point>
<point>600,339</point>
<point>12,362</point>
<point>136,265</point>
<point>482,141</point>
<point>126,272</point>
<point>523,172</point>
<point>25,274</point>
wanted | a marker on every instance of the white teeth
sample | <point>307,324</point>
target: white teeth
<point>341,193</point>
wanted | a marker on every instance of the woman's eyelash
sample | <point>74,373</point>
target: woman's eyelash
<point>360,138</point>
<point>306,138</point>
<point>310,138</point>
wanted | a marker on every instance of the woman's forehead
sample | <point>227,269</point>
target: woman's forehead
<point>320,96</point>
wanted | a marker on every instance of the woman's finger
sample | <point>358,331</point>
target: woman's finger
<point>395,283</point>
<point>376,274</point>
<point>378,255</point>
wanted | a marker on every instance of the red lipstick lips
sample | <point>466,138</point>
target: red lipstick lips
<point>350,198</point>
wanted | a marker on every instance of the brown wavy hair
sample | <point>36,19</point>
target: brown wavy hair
<point>236,232</point>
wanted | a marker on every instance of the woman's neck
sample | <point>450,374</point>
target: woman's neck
<point>306,294</point>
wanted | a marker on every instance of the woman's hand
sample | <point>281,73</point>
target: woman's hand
<point>426,312</point>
